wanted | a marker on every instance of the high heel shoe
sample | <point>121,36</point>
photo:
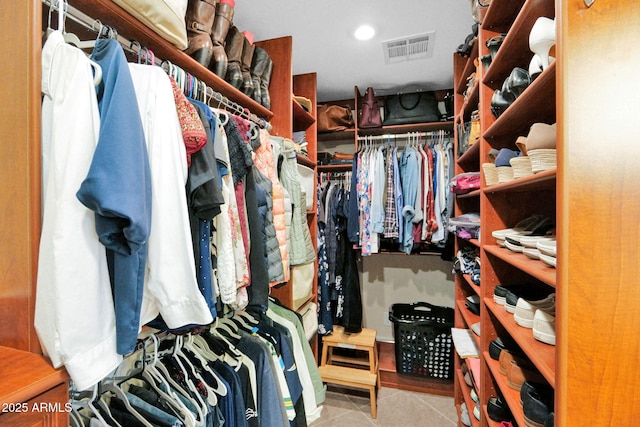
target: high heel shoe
<point>541,38</point>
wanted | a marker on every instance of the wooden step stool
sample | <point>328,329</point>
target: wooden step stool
<point>352,371</point>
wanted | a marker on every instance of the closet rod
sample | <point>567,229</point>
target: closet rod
<point>96,26</point>
<point>394,136</point>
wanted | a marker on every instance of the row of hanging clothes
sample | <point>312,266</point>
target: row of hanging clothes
<point>163,203</point>
<point>339,296</point>
<point>240,371</point>
<point>403,201</point>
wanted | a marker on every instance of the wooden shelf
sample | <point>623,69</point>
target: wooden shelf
<point>132,29</point>
<point>469,161</point>
<point>514,51</point>
<point>541,355</point>
<point>466,394</point>
<point>467,279</point>
<point>469,195</point>
<point>469,68</point>
<point>501,14</point>
<point>471,103</point>
<point>343,135</point>
<point>536,104</point>
<point>511,396</point>
<point>545,180</point>
<point>413,127</point>
<point>335,168</point>
<point>304,160</point>
<point>390,378</point>
<point>532,267</point>
<point>467,315</point>
<point>302,119</point>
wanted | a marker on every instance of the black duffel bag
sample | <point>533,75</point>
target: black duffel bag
<point>416,107</point>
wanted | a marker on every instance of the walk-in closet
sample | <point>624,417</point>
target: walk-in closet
<point>247,213</point>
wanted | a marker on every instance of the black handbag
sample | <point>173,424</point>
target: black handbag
<point>417,107</point>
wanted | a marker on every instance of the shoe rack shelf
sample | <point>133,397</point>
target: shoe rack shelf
<point>511,396</point>
<point>518,118</point>
<point>503,205</point>
<point>129,27</point>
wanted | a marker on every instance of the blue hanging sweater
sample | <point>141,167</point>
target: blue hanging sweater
<point>118,189</point>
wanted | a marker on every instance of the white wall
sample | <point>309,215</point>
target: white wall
<point>386,279</point>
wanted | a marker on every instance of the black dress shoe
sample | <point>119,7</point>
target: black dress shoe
<point>499,103</point>
<point>516,83</point>
<point>537,404</point>
<point>498,410</point>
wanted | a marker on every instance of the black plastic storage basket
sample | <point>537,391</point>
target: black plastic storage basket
<point>423,342</point>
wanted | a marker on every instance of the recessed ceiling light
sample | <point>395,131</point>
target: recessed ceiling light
<point>364,32</point>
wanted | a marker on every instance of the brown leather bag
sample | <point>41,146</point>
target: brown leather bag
<point>333,118</point>
<point>370,114</point>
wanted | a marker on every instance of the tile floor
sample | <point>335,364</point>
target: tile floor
<point>350,408</point>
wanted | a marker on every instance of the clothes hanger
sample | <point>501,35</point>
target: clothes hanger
<point>87,402</point>
<point>192,372</point>
<point>155,379</point>
<point>195,396</point>
<point>219,388</point>
<point>120,394</point>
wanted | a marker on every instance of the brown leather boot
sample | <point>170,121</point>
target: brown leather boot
<point>247,56</point>
<point>258,65</point>
<point>264,84</point>
<point>221,24</point>
<point>199,20</point>
<point>233,48</point>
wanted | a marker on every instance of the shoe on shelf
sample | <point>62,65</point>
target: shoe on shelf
<point>528,292</point>
<point>473,304</point>
<point>532,241</point>
<point>549,421</point>
<point>497,345</point>
<point>537,406</point>
<point>544,327</point>
<point>542,389</point>
<point>542,38</point>
<point>498,410</point>
<point>543,228</point>
<point>532,253</point>
<point>475,327</point>
<point>500,294</point>
<point>476,411</point>
<point>526,309</point>
<point>464,415</point>
<point>522,225</point>
<point>549,261</point>
<point>547,247</point>
<point>522,370</point>
<point>509,355</point>
<point>474,395</point>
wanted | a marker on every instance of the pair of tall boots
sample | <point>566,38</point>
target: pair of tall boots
<point>215,43</point>
<point>208,22</point>
<point>249,67</point>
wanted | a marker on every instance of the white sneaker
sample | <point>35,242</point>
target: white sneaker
<point>525,310</point>
<point>544,327</point>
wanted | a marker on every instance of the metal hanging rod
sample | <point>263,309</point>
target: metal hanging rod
<point>147,56</point>
<point>396,136</point>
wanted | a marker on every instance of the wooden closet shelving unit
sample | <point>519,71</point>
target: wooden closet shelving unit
<point>596,284</point>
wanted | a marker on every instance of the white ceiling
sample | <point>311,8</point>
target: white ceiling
<point>323,42</point>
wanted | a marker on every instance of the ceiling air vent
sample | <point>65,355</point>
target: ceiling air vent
<point>408,48</point>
